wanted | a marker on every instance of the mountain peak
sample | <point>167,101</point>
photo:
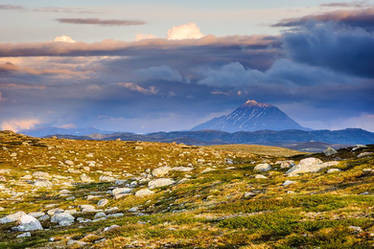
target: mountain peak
<point>252,103</point>
<point>251,116</point>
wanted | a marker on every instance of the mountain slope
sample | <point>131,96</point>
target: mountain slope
<point>251,116</point>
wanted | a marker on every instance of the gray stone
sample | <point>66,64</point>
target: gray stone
<point>143,192</point>
<point>162,182</point>
<point>12,217</point>
<point>102,203</point>
<point>28,223</point>
<point>121,192</point>
<point>364,154</point>
<point>63,219</point>
<point>23,235</point>
<point>330,151</point>
<point>288,182</point>
<point>111,228</point>
<point>334,170</point>
<point>160,172</point>
<point>260,177</point>
<point>263,167</point>
<point>310,165</point>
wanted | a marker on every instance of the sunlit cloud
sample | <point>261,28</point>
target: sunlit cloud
<point>19,124</point>
<point>64,38</point>
<point>185,31</point>
<point>137,88</point>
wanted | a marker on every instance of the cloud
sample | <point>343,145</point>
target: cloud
<point>356,4</point>
<point>140,37</point>
<point>21,86</point>
<point>137,88</point>
<point>185,31</point>
<point>349,51</point>
<point>64,38</point>
<point>102,22</point>
<point>159,73</point>
<point>65,10</point>
<point>19,124</point>
<point>11,7</point>
<point>363,18</point>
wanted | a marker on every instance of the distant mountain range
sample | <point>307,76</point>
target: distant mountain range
<point>252,116</point>
<point>47,131</point>
<point>296,139</point>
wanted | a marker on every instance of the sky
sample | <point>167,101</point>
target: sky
<point>168,65</point>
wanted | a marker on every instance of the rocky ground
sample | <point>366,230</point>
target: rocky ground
<point>58,193</point>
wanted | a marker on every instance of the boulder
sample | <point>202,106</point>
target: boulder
<point>364,154</point>
<point>288,182</point>
<point>329,151</point>
<point>63,219</point>
<point>160,172</point>
<point>28,223</point>
<point>260,177</point>
<point>334,170</point>
<point>309,165</point>
<point>12,217</point>
<point>286,164</point>
<point>162,182</point>
<point>143,192</point>
<point>182,169</point>
<point>121,192</point>
<point>23,235</point>
<point>263,167</point>
<point>102,203</point>
<point>107,179</point>
<point>87,208</point>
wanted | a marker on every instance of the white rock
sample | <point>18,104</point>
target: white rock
<point>160,172</point>
<point>69,162</point>
<point>90,155</point>
<point>12,217</point>
<point>63,219</point>
<point>55,211</point>
<point>41,175</point>
<point>263,167</point>
<point>288,182</point>
<point>330,151</point>
<point>133,209</point>
<point>286,164</point>
<point>260,177</point>
<point>207,170</point>
<point>28,223</point>
<point>111,228</point>
<point>87,208</point>
<point>162,182</point>
<point>23,235</point>
<point>364,154</point>
<point>85,178</point>
<point>310,165</point>
<point>143,192</point>
<point>99,215</point>
<point>43,184</point>
<point>107,179</point>
<point>334,170</point>
<point>182,169</point>
<point>102,203</point>
<point>121,192</point>
<point>37,214</point>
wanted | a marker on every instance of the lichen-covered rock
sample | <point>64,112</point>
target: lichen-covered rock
<point>28,223</point>
<point>160,172</point>
<point>63,219</point>
<point>12,217</point>
<point>263,167</point>
<point>121,192</point>
<point>310,165</point>
<point>330,151</point>
<point>143,192</point>
<point>162,182</point>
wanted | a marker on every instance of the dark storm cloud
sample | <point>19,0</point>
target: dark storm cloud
<point>363,18</point>
<point>349,51</point>
<point>102,22</point>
